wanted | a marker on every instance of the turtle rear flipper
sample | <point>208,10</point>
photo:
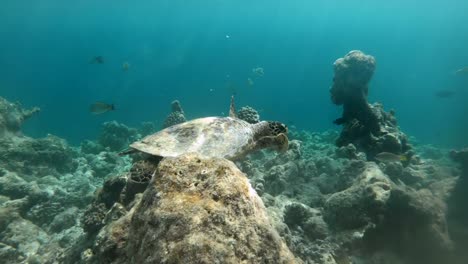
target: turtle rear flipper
<point>232,108</point>
<point>279,142</point>
<point>127,152</point>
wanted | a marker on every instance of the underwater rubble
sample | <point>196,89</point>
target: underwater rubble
<point>325,200</point>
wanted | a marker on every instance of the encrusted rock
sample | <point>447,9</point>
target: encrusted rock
<point>360,204</point>
<point>64,220</point>
<point>414,226</point>
<point>195,210</point>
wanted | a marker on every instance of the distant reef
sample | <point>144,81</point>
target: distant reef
<point>325,200</point>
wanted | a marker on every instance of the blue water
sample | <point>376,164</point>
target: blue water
<point>180,50</point>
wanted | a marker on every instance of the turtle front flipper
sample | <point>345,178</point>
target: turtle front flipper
<point>279,142</point>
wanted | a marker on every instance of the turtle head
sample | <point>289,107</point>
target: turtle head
<point>272,135</point>
<point>276,128</point>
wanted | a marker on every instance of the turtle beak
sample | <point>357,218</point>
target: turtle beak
<point>283,142</point>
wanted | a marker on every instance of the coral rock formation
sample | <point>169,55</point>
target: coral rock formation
<point>195,210</point>
<point>248,114</point>
<point>176,116</point>
<point>117,136</point>
<point>12,116</point>
<point>365,125</point>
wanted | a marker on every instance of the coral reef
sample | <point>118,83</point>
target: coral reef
<point>176,116</point>
<point>248,114</point>
<point>120,189</point>
<point>333,206</point>
<point>116,136</point>
<point>147,128</point>
<point>457,212</point>
<point>320,202</point>
<point>45,186</point>
<point>365,125</point>
<point>49,155</point>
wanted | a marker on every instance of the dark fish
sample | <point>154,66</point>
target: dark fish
<point>390,157</point>
<point>97,60</point>
<point>125,66</point>
<point>101,108</point>
<point>444,93</point>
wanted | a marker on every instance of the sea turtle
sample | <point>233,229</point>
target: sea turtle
<point>225,137</point>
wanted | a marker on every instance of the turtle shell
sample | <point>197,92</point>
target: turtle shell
<point>211,136</point>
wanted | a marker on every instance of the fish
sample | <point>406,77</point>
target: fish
<point>101,108</point>
<point>461,71</point>
<point>97,60</point>
<point>125,66</point>
<point>444,93</point>
<point>390,157</point>
<point>250,82</point>
<point>258,71</point>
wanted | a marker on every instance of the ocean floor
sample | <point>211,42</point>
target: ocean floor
<point>315,203</point>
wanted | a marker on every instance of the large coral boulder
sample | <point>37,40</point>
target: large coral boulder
<point>414,227</point>
<point>196,210</point>
<point>361,203</point>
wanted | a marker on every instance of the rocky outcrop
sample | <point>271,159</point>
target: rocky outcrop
<point>12,117</point>
<point>365,125</point>
<point>195,210</point>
